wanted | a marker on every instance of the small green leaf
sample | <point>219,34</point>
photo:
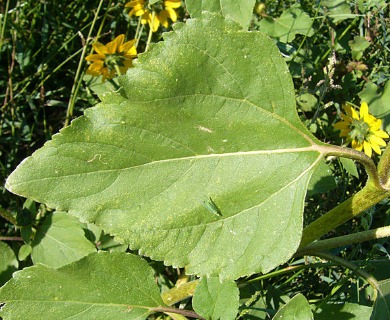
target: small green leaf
<point>296,309</point>
<point>236,10</point>
<point>381,309</point>
<point>215,300</point>
<point>350,166</point>
<point>358,45</point>
<point>59,241</point>
<point>338,10</point>
<point>24,252</point>
<point>322,180</point>
<point>26,233</point>
<point>100,286</point>
<point>293,21</point>
<point>307,101</point>
<point>350,311</point>
<point>8,263</point>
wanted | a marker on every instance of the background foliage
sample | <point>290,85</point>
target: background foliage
<point>336,51</point>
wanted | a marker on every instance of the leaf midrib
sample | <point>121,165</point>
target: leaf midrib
<point>313,148</point>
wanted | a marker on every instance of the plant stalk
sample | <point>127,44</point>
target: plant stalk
<point>343,241</point>
<point>351,208</point>
<point>5,238</point>
<point>376,189</point>
<point>384,168</point>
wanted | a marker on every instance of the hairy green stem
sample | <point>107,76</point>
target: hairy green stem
<point>342,241</point>
<point>375,190</point>
<point>359,156</point>
<point>7,216</point>
<point>384,168</point>
<point>352,207</point>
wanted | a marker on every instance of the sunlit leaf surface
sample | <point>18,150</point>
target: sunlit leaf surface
<point>201,161</point>
<point>100,286</point>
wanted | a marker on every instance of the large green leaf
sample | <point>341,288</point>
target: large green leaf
<point>100,286</point>
<point>59,241</point>
<point>237,10</point>
<point>203,162</point>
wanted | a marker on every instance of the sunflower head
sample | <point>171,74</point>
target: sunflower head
<point>113,58</point>
<point>361,129</point>
<point>156,13</point>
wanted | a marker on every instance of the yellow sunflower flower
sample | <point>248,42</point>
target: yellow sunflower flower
<point>114,57</point>
<point>361,129</point>
<point>155,14</point>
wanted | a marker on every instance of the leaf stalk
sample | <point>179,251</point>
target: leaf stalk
<point>376,189</point>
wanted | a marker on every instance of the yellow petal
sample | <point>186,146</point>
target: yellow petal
<point>381,134</point>
<point>367,148</point>
<point>377,140</point>
<point>95,57</point>
<point>341,125</point>
<point>346,117</point>
<point>119,40</point>
<point>172,3</point>
<point>351,112</point>
<point>146,17</point>
<point>99,48</point>
<point>127,47</point>
<point>154,23</point>
<point>93,72</point>
<point>134,3</point>
<point>96,65</point>
<point>357,145</point>
<point>171,14</point>
<point>363,109</point>
<point>375,125</point>
<point>163,18</point>
<point>376,148</point>
<point>113,46</point>
<point>137,11</point>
